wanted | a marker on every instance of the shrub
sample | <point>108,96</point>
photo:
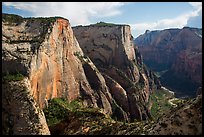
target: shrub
<point>83,59</point>
<point>59,108</point>
<point>13,77</point>
<point>11,18</point>
<point>103,24</point>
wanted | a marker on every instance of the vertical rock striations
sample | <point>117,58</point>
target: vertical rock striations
<point>46,55</point>
<point>46,52</point>
<point>111,49</point>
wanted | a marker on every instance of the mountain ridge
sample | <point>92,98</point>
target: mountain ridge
<point>177,50</point>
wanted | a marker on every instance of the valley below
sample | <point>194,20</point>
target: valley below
<point>175,55</point>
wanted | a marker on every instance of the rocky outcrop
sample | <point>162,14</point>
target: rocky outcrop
<point>97,83</point>
<point>21,115</point>
<point>46,52</point>
<point>45,62</point>
<point>111,49</point>
<point>106,45</point>
<point>117,92</point>
<point>176,52</point>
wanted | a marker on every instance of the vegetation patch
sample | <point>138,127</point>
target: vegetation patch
<point>83,59</point>
<point>103,24</point>
<point>160,103</point>
<point>59,108</point>
<point>74,119</point>
<point>11,19</point>
<point>16,19</point>
<point>13,77</point>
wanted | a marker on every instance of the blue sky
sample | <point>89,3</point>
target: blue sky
<point>139,15</point>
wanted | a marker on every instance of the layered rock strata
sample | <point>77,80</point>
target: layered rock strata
<point>112,50</point>
<point>46,52</point>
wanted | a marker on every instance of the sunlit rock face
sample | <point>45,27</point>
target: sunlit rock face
<point>111,49</point>
<point>47,53</point>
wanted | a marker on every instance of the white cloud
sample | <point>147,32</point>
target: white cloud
<point>197,5</point>
<point>196,21</point>
<point>177,22</point>
<point>19,5</point>
<point>76,12</point>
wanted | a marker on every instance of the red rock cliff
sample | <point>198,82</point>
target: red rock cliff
<point>53,62</point>
<point>46,51</point>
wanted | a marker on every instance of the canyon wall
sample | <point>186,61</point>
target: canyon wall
<point>44,51</point>
<point>111,49</point>
<point>176,52</point>
<point>47,54</point>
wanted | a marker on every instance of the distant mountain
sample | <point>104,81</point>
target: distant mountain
<point>176,54</point>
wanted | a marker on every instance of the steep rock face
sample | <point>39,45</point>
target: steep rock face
<point>112,51</point>
<point>106,46</point>
<point>176,52</point>
<point>97,82</point>
<point>111,44</point>
<point>117,92</point>
<point>190,64</point>
<point>20,113</point>
<point>50,64</point>
<point>46,51</point>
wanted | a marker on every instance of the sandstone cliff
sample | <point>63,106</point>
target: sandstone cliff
<point>46,52</point>
<point>42,60</point>
<point>111,49</point>
<point>176,52</point>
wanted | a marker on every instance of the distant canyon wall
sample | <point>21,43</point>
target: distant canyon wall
<point>177,50</point>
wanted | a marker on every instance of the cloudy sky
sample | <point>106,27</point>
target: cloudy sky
<point>139,15</point>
